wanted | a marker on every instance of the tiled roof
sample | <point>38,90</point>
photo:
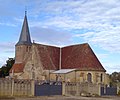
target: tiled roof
<point>73,57</point>
<point>49,56</point>
<point>17,67</point>
<point>81,57</point>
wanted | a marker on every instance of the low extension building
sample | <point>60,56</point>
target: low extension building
<point>44,62</point>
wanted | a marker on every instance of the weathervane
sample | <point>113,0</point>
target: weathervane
<point>25,10</point>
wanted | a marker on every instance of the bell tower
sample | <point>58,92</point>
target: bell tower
<point>24,44</point>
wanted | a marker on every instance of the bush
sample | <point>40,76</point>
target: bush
<point>119,93</point>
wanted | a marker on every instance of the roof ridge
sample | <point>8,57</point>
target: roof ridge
<point>76,45</point>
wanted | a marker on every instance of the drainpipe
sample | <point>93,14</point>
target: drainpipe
<point>60,59</point>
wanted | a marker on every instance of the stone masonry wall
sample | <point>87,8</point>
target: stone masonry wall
<point>15,87</point>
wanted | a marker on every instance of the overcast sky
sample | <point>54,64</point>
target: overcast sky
<point>64,22</point>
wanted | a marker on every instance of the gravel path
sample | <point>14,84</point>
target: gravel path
<point>62,98</point>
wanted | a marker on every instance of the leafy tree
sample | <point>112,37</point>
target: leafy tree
<point>4,70</point>
<point>115,78</point>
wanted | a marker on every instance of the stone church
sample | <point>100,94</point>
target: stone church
<point>44,62</point>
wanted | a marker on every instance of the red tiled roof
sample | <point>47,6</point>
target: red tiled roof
<point>81,57</point>
<point>17,68</point>
<point>49,56</point>
<point>76,56</point>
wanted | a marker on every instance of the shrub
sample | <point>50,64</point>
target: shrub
<point>119,93</point>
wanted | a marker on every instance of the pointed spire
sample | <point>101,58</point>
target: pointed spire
<point>25,34</point>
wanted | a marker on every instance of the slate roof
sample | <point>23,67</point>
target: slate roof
<point>25,34</point>
<point>80,56</point>
<point>17,68</point>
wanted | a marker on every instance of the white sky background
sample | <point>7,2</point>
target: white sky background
<point>64,22</point>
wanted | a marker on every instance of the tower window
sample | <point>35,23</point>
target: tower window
<point>27,49</point>
<point>18,48</point>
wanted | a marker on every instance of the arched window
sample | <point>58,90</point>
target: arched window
<point>89,77</point>
<point>101,77</point>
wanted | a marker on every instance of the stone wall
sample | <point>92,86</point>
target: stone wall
<point>81,76</point>
<point>15,87</point>
<point>81,89</point>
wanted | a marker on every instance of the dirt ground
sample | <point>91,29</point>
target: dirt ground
<point>60,98</point>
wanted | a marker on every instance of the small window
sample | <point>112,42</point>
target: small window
<point>89,77</point>
<point>97,77</point>
<point>18,48</point>
<point>101,77</point>
<point>27,49</point>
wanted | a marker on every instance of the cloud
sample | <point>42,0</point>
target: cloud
<point>7,24</point>
<point>100,16</point>
<point>114,68</point>
<point>101,56</point>
<point>51,36</point>
<point>2,61</point>
<point>6,50</point>
<point>7,47</point>
<point>108,40</point>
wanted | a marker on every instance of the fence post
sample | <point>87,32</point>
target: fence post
<point>63,88</point>
<point>12,93</point>
<point>99,91</point>
<point>77,89</point>
<point>32,88</point>
<point>118,89</point>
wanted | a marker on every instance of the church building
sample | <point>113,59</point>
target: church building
<point>45,62</point>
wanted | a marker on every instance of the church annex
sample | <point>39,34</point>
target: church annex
<point>39,61</point>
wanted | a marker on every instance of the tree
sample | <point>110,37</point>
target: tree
<point>4,70</point>
<point>115,78</point>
